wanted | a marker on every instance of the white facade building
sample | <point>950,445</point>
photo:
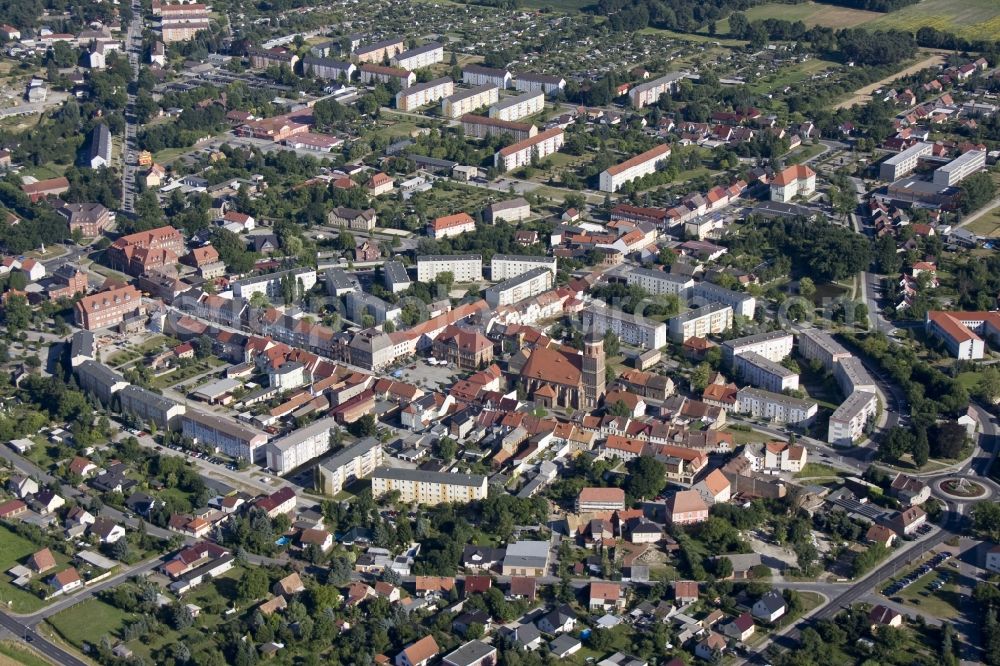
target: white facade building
<point>463,267</point>
<point>775,407</point>
<point>530,283</point>
<point>422,94</point>
<point>631,329</point>
<point>520,106</point>
<point>520,154</point>
<point>507,266</point>
<point>467,101</point>
<point>613,178</point>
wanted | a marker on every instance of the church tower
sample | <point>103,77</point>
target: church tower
<point>593,370</point>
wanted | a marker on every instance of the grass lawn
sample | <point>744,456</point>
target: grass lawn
<point>19,655</point>
<point>813,469</point>
<point>168,155</point>
<point>692,37</point>
<point>788,76</point>
<point>972,19</point>
<point>45,171</point>
<point>803,154</point>
<point>988,225</point>
<point>944,603</point>
<point>87,622</point>
<point>745,437</point>
<point>558,5</point>
<point>13,550</point>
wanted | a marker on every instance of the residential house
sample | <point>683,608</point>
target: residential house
<point>740,627</point>
<point>770,607</point>
<point>418,653</point>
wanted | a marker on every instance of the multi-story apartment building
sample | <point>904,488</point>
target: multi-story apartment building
<point>477,75</point>
<point>659,282</point>
<point>372,73</point>
<point>742,303</point>
<point>422,94</point>
<point>378,51</point>
<point>463,267</point>
<point>107,308</point>
<point>360,303</point>
<point>530,283</point>
<point>372,350</point>
<point>276,57</point>
<point>430,488</point>
<point>467,101</point>
<point>848,421</point>
<point>327,68</point>
<point>481,127</point>
<point>775,407</point>
<point>355,220</point>
<point>151,407</point>
<point>793,181</point>
<point>613,178</point>
<point>512,210</point>
<point>631,329</point>
<point>519,106</point>
<point>521,153</point>
<point>355,462</point>
<point>547,83</point>
<point>903,163</point>
<point>421,56</point>
<point>764,373</point>
<point>774,346</point>
<point>507,266</point>
<point>817,345</point>
<point>300,446</point>
<point>451,225</point>
<point>600,499</point>
<point>180,22</point>
<point>711,319</point>
<point>99,380</point>
<point>649,92</point>
<point>232,438</point>
<point>271,284</point>
<point>960,168</point>
<point>852,376</point>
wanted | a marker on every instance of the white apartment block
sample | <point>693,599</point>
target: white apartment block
<point>817,345</point>
<point>467,101</point>
<point>507,266</point>
<point>903,163</point>
<point>326,68</point>
<point>476,75</point>
<point>659,282</point>
<point>430,488</point>
<point>613,178</point>
<point>422,94</point>
<point>774,346</point>
<point>463,267</point>
<point>775,407</point>
<point>852,376</point>
<point>649,92</point>
<point>960,168</point>
<point>422,56</point>
<point>530,283</point>
<point>764,373</point>
<point>270,284</point>
<point>847,423</point>
<point>300,446</point>
<point>548,84</point>
<point>630,329</point>
<point>512,210</point>
<point>711,319</point>
<point>742,303</point>
<point>520,106</point>
<point>520,154</point>
<point>151,407</point>
<point>355,462</point>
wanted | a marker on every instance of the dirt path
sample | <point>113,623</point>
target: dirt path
<point>863,95</point>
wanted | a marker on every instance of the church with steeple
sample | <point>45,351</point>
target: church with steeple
<point>563,377</point>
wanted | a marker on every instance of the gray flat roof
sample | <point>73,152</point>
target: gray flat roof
<point>703,311</point>
<point>852,405</point>
<point>759,337</point>
<point>423,476</point>
<point>538,259</point>
<point>471,92</point>
<point>779,398</point>
<point>395,272</point>
<point>147,396</point>
<point>517,99</point>
<point>348,454</point>
<point>450,257</point>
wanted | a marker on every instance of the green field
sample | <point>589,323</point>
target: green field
<point>988,225</point>
<point>812,470</point>
<point>787,76</point>
<point>972,19</point>
<point>558,5</point>
<point>87,622</point>
<point>13,550</point>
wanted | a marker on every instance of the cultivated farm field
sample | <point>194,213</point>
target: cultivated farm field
<point>972,19</point>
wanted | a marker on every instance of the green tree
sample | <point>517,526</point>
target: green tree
<point>647,476</point>
<point>612,346</point>
<point>252,585</point>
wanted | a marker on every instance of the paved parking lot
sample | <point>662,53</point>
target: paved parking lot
<point>428,376</point>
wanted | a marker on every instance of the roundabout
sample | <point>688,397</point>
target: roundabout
<point>960,488</point>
